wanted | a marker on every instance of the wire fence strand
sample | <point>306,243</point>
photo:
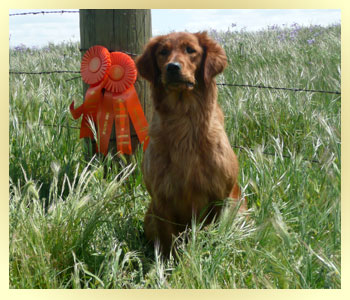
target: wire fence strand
<point>44,72</point>
<point>44,12</point>
<point>112,50</point>
<point>219,84</point>
<point>279,88</point>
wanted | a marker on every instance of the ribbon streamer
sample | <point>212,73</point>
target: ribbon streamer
<point>110,98</point>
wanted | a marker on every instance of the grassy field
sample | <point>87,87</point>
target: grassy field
<point>74,226</point>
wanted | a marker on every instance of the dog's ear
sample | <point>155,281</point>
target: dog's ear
<point>146,63</point>
<point>214,57</point>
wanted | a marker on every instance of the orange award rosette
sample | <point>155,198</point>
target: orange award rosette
<point>110,98</point>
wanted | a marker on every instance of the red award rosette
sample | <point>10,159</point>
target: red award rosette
<point>111,97</point>
<point>95,64</point>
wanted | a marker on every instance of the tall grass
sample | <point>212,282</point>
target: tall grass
<point>74,225</point>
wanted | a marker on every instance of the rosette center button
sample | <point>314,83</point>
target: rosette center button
<point>95,64</point>
<point>116,72</point>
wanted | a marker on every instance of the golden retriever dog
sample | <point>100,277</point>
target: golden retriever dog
<point>189,167</point>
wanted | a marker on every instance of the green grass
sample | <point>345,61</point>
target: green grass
<point>74,225</point>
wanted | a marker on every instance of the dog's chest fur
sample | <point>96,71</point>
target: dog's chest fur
<point>188,152</point>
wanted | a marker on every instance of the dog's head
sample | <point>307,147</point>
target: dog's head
<point>181,61</point>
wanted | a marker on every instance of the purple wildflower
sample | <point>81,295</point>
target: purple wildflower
<point>273,27</point>
<point>20,48</point>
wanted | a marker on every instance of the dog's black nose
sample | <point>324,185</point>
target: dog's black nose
<point>173,67</point>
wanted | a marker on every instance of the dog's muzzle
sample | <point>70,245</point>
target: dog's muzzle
<point>174,76</point>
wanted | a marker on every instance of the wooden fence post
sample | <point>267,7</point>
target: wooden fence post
<point>125,30</point>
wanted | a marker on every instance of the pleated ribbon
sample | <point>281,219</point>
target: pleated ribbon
<point>111,97</point>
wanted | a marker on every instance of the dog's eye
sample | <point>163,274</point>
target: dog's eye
<point>190,50</point>
<point>164,51</point>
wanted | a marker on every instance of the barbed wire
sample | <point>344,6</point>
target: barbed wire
<point>49,125</point>
<point>44,12</point>
<point>219,84</point>
<point>113,50</point>
<point>43,72</point>
<point>279,88</point>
